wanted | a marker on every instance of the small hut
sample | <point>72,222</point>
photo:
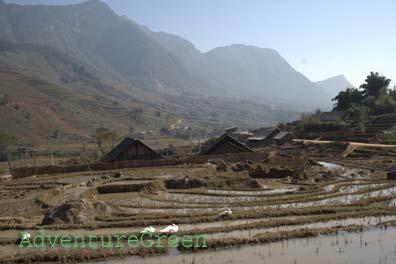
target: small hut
<point>282,138</point>
<point>262,137</point>
<point>131,149</point>
<point>225,144</point>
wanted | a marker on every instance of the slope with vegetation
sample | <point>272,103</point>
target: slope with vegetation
<point>369,114</point>
<point>71,70</point>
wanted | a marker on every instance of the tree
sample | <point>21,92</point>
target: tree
<point>106,140</point>
<point>6,144</point>
<point>346,98</point>
<point>375,85</point>
<point>359,115</point>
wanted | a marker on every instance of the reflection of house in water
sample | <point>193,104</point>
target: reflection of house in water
<point>262,137</point>
<point>225,144</point>
<point>131,149</point>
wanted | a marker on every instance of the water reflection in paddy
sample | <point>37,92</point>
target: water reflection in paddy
<point>374,246</point>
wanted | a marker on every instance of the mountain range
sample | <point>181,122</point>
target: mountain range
<point>83,67</point>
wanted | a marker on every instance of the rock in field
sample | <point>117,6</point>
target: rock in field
<point>73,212</point>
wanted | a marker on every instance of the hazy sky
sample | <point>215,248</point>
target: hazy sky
<point>320,38</point>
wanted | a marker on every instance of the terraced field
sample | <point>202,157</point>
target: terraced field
<point>325,204</point>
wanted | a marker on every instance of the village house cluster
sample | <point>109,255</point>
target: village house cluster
<point>232,141</point>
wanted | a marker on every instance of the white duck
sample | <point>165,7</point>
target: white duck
<point>226,212</point>
<point>25,236</point>
<point>148,229</point>
<point>170,229</point>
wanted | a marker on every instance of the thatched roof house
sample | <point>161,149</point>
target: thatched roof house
<point>226,144</point>
<point>131,149</point>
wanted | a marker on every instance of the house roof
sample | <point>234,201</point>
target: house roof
<point>122,147</point>
<point>281,135</point>
<point>264,131</point>
<point>333,116</point>
<point>229,139</point>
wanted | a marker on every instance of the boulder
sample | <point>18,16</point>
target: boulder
<point>72,212</point>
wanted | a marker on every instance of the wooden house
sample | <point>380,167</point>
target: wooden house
<point>131,149</point>
<point>225,144</point>
<point>262,137</point>
<point>282,138</point>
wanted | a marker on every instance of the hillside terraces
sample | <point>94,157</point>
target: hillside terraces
<point>374,126</point>
<point>382,122</point>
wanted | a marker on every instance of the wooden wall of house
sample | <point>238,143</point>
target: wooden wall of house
<point>286,139</point>
<point>138,152</point>
<point>225,147</point>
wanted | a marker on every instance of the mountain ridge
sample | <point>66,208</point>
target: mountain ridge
<point>333,85</point>
<point>91,50</point>
<point>115,45</point>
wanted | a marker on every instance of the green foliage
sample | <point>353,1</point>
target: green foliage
<point>373,94</point>
<point>359,115</point>
<point>346,98</point>
<point>375,85</point>
<point>106,140</point>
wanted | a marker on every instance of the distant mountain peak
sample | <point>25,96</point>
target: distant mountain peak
<point>335,84</point>
<point>97,4</point>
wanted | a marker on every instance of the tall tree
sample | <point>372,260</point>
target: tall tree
<point>375,85</point>
<point>346,98</point>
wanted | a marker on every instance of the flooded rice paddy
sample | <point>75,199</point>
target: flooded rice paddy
<point>268,211</point>
<point>368,247</point>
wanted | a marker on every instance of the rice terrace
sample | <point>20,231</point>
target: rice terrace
<point>122,143</point>
<point>323,206</point>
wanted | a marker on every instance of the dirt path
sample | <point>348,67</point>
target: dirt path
<point>357,144</point>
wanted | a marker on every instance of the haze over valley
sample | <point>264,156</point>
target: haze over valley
<point>68,70</point>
